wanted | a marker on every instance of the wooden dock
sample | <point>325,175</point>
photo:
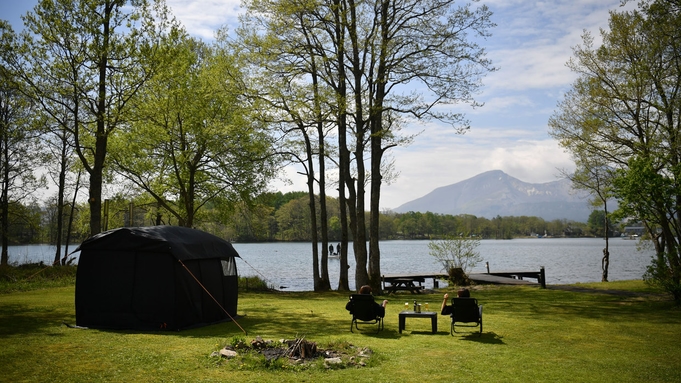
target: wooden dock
<point>414,282</point>
<point>513,277</point>
<point>484,278</point>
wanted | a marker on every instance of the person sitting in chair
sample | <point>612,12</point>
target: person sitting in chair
<point>447,310</point>
<point>379,308</point>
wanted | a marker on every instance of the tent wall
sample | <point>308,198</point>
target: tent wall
<point>201,309</point>
<point>153,300</point>
<point>104,289</point>
<point>151,290</point>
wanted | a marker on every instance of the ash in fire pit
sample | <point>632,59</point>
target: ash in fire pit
<point>298,351</point>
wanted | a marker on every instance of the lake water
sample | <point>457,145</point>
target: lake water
<point>565,260</point>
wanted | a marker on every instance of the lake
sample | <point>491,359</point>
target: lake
<point>289,265</point>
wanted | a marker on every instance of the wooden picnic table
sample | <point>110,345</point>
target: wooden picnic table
<point>405,283</point>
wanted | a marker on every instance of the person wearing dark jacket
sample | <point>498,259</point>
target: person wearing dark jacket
<point>446,309</point>
<point>379,308</point>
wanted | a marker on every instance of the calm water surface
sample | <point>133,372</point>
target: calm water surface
<point>289,265</point>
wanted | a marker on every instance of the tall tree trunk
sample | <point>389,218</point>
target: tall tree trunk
<point>316,279</point>
<point>356,187</point>
<point>70,225</point>
<point>324,281</point>
<point>376,126</point>
<point>96,172</point>
<point>4,196</point>
<point>605,262</point>
<point>344,155</point>
<point>63,163</point>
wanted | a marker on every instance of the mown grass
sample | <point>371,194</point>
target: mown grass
<point>530,334</point>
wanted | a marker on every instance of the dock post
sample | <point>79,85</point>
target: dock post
<point>487,265</point>
<point>542,275</point>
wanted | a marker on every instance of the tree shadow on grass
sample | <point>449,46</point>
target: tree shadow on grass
<point>312,325</point>
<point>275,321</point>
<point>425,332</point>
<point>22,319</point>
<point>485,337</point>
<point>571,305</point>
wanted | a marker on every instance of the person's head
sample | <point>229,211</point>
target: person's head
<point>366,289</point>
<point>463,293</point>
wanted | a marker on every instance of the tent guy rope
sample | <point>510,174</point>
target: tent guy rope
<point>211,296</point>
<point>257,271</point>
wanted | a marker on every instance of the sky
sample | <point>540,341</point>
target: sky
<point>530,46</point>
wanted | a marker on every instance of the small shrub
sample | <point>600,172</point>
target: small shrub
<point>659,275</point>
<point>253,284</point>
<point>457,255</point>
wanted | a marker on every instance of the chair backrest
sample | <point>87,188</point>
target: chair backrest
<point>465,309</point>
<point>363,307</point>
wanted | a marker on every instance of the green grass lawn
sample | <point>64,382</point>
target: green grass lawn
<point>530,335</point>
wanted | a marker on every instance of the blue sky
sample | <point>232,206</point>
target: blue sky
<point>530,45</point>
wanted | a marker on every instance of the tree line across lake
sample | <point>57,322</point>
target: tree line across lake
<point>285,217</point>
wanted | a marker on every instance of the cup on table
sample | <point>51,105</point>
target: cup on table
<point>426,306</point>
<point>406,306</point>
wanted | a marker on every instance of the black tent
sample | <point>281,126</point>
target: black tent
<point>155,278</point>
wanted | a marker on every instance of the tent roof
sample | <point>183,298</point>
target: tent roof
<point>182,242</point>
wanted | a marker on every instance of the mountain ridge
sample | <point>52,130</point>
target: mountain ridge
<point>495,193</point>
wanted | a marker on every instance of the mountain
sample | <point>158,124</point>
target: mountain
<point>495,193</point>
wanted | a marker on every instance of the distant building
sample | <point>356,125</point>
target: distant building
<point>634,230</point>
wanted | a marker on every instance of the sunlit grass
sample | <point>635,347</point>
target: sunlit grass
<point>633,285</point>
<point>530,334</point>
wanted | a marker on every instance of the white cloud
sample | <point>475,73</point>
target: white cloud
<point>534,161</point>
<point>533,40</point>
<point>497,104</point>
<point>202,18</point>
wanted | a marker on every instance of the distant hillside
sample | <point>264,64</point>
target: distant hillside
<point>495,193</point>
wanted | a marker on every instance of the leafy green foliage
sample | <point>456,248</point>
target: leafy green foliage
<point>192,140</point>
<point>456,253</point>
<point>596,224</point>
<point>253,284</point>
<point>658,274</point>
